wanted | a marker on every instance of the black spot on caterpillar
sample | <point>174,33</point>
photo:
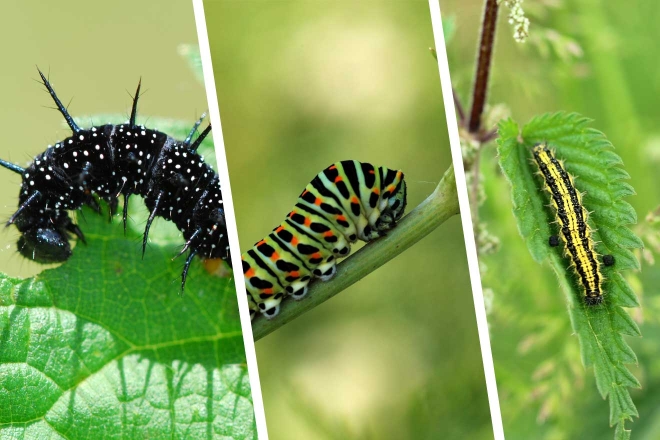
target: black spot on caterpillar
<point>344,202</point>
<point>572,220</point>
<point>106,161</point>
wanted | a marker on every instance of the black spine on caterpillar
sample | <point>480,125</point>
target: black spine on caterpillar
<point>111,160</point>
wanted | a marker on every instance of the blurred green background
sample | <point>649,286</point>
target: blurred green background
<point>95,54</point>
<point>302,85</point>
<point>598,59</point>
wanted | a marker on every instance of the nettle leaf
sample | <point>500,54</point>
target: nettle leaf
<point>105,345</point>
<point>589,158</point>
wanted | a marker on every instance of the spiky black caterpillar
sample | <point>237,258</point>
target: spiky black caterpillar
<point>107,161</point>
<point>344,202</point>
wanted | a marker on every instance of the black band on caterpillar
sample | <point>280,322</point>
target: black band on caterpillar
<point>344,202</point>
<point>111,160</point>
<point>572,220</point>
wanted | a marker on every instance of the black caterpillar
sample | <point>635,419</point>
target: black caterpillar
<point>107,161</point>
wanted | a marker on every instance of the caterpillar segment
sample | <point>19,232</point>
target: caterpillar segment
<point>347,201</point>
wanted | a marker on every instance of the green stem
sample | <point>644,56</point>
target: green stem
<point>431,213</point>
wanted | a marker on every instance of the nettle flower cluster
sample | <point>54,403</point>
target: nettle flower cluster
<point>517,19</point>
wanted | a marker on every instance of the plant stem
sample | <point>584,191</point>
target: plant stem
<point>486,43</point>
<point>431,213</point>
<point>459,107</point>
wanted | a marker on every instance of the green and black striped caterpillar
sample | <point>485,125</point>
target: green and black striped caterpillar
<point>346,201</point>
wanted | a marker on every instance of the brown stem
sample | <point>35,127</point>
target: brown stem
<point>459,107</point>
<point>486,43</point>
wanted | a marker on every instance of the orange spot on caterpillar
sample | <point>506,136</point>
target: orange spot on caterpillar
<point>249,273</point>
<point>275,256</point>
<point>217,267</point>
<point>338,179</point>
<point>308,221</point>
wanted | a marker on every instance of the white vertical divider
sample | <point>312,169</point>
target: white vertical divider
<point>466,219</point>
<point>223,173</point>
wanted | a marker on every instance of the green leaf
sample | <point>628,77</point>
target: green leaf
<point>588,156</point>
<point>105,345</point>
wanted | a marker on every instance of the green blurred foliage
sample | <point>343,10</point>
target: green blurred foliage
<point>302,85</point>
<point>602,65</point>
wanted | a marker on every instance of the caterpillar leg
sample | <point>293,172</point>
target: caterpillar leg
<point>270,307</point>
<point>326,270</point>
<point>608,260</point>
<point>298,289</point>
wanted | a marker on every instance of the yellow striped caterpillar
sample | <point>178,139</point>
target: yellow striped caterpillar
<point>572,218</point>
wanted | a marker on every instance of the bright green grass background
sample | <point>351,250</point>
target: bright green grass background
<point>302,85</point>
<point>96,53</point>
<point>544,391</point>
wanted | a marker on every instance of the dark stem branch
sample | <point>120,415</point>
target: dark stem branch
<point>459,107</point>
<point>486,43</point>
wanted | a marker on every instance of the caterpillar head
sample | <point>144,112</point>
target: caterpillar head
<point>44,245</point>
<point>593,298</point>
<point>394,209</point>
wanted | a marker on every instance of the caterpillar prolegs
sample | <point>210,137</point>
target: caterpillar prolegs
<point>106,161</point>
<point>347,201</point>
